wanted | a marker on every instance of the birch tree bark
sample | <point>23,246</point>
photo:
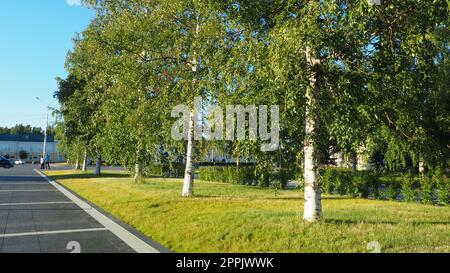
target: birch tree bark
<point>137,172</point>
<point>84,161</point>
<point>313,196</point>
<point>421,166</point>
<point>340,160</point>
<point>77,163</point>
<point>138,167</point>
<point>188,187</point>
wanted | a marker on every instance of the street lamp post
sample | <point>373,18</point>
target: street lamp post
<point>44,152</point>
<point>44,149</point>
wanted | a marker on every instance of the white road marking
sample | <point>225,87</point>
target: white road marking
<point>34,233</point>
<point>130,239</point>
<point>35,203</point>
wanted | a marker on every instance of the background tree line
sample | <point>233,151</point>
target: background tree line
<point>21,129</point>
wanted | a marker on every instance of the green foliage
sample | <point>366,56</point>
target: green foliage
<point>393,190</point>
<point>344,182</point>
<point>228,174</point>
<point>328,180</point>
<point>156,170</point>
<point>373,183</point>
<point>171,169</point>
<point>264,173</point>
<point>426,188</point>
<point>367,184</point>
<point>337,180</point>
<point>246,175</point>
<point>408,192</point>
<point>443,187</point>
<point>347,182</point>
<point>24,129</point>
<point>283,175</point>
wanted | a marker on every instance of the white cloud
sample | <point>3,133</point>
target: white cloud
<point>74,2</point>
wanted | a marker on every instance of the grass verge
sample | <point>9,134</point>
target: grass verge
<point>234,218</point>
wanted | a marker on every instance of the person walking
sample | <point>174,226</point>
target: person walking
<point>47,162</point>
<point>41,161</point>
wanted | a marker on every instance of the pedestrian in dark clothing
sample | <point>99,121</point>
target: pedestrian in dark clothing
<point>47,162</point>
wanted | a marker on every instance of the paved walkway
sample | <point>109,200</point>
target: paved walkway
<point>39,216</point>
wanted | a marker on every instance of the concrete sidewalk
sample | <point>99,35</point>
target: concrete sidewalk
<point>39,216</point>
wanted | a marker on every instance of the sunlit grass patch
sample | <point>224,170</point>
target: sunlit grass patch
<point>233,218</point>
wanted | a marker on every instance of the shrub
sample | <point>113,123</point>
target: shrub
<point>228,174</point>
<point>360,186</point>
<point>443,187</point>
<point>211,174</point>
<point>177,169</point>
<point>169,170</point>
<point>264,177</point>
<point>282,177</point>
<point>393,191</point>
<point>328,180</point>
<point>408,192</point>
<point>275,186</point>
<point>426,190</point>
<point>344,182</point>
<point>264,173</point>
<point>156,170</point>
<point>373,185</point>
<point>366,183</point>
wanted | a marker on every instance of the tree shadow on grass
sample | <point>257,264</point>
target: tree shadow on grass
<point>299,198</point>
<point>88,176</point>
<point>382,222</point>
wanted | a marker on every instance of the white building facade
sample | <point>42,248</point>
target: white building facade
<point>12,146</point>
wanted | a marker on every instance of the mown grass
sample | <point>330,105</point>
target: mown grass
<point>234,218</point>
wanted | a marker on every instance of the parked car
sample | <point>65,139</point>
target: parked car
<point>6,163</point>
<point>19,162</point>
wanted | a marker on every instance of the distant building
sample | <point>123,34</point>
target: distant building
<point>13,145</point>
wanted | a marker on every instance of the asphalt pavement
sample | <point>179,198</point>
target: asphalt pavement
<point>38,215</point>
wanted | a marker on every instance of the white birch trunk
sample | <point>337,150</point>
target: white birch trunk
<point>138,168</point>
<point>188,186</point>
<point>421,166</point>
<point>84,161</point>
<point>313,195</point>
<point>77,163</point>
<point>340,160</point>
<point>137,172</point>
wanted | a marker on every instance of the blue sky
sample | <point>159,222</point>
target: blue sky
<point>35,38</point>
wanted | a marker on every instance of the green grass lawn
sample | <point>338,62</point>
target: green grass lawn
<point>234,218</point>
